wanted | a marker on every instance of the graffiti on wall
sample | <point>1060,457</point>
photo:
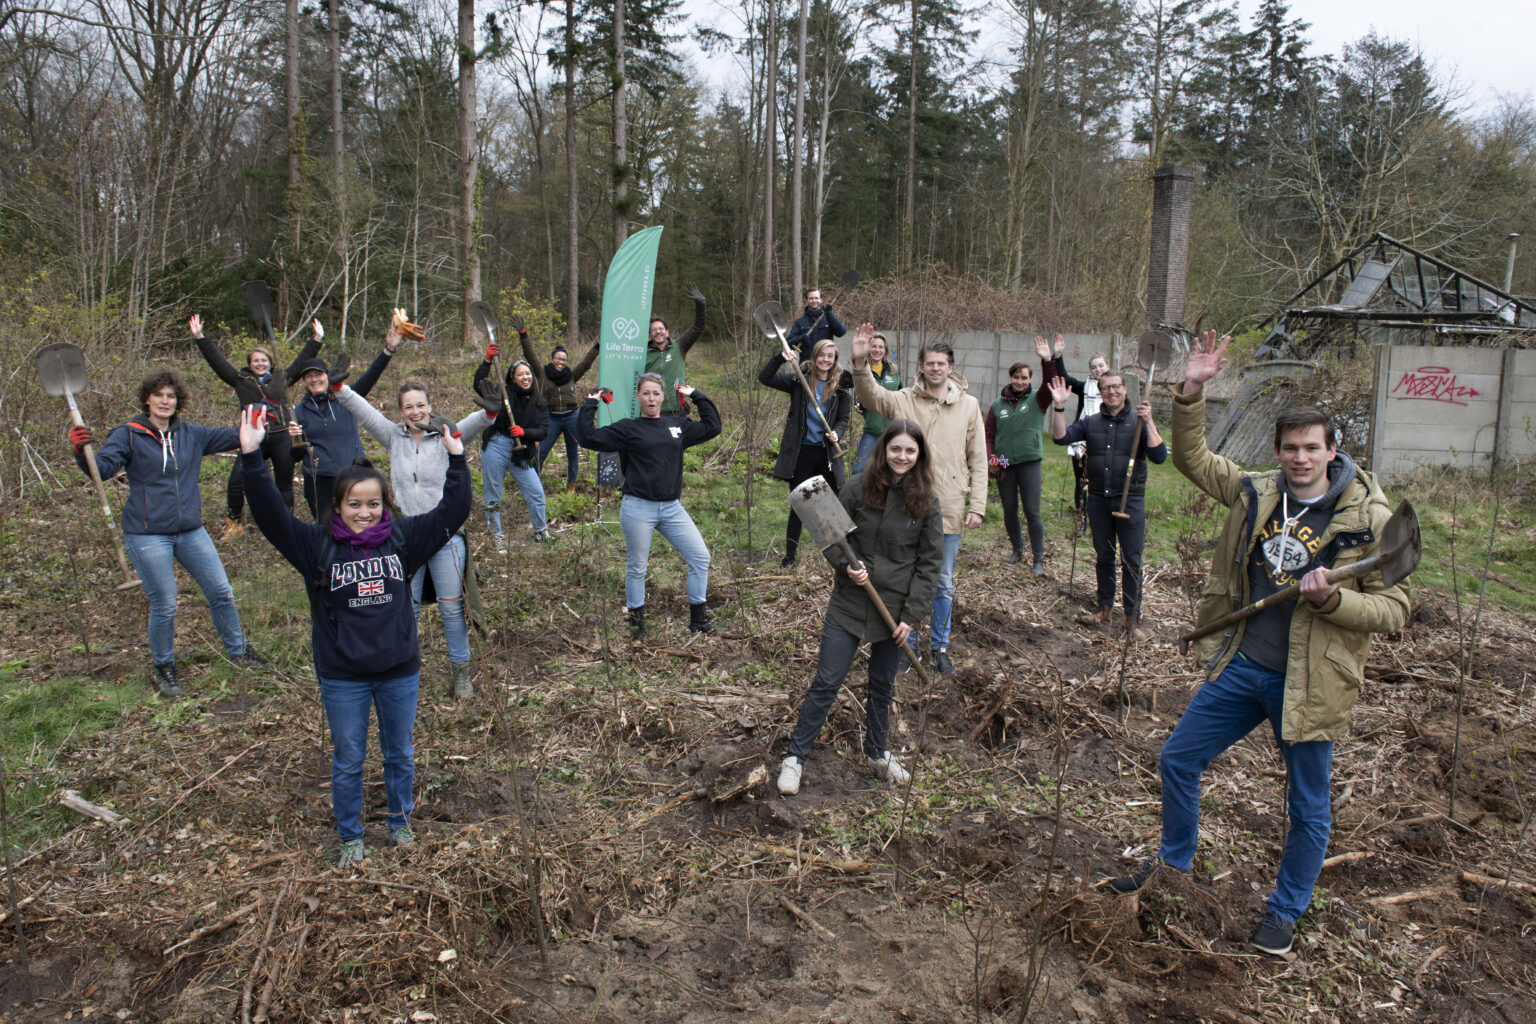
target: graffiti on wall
<point>1433,384</point>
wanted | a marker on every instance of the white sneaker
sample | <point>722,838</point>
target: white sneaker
<point>500,542</point>
<point>889,769</point>
<point>789,775</point>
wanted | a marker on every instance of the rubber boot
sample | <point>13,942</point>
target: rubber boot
<point>637,623</point>
<point>462,685</point>
<point>700,622</point>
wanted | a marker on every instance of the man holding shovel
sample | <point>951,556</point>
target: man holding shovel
<point>818,322</point>
<point>1297,664</point>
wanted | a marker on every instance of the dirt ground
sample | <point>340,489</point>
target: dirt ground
<point>601,840</point>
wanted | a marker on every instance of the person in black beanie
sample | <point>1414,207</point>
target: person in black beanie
<point>650,449</point>
<point>358,569</point>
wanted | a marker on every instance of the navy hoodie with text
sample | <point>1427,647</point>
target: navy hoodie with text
<point>363,625</point>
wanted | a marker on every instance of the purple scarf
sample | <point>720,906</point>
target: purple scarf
<point>372,537</point>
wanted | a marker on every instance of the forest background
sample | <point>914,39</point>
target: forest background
<point>363,154</point>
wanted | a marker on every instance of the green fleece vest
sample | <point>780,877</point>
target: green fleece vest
<point>889,378</point>
<point>668,363</point>
<point>1018,429</point>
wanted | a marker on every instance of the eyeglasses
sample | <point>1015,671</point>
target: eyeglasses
<point>651,376</point>
<point>1113,387</point>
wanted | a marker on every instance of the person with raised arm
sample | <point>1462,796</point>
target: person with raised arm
<point>1297,665</point>
<point>882,365</point>
<point>511,442</point>
<point>1014,452</point>
<point>557,382</point>
<point>817,323</point>
<point>667,357</point>
<point>805,450</point>
<point>357,568</point>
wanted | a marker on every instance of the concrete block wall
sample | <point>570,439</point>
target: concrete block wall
<point>983,357</point>
<point>1441,406</point>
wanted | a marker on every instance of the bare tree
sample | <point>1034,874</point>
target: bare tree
<point>620,133</point>
<point>770,139</point>
<point>469,167</point>
<point>797,161</point>
<point>572,182</point>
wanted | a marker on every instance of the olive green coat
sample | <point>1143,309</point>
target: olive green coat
<point>903,556</point>
<point>1328,645</point>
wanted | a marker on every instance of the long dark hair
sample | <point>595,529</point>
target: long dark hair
<point>917,490</point>
<point>353,475</point>
<point>535,393</point>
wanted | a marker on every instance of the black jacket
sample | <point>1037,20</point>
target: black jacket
<point>362,624</point>
<point>837,406</point>
<point>529,410</point>
<point>559,397</point>
<point>252,390</point>
<point>1109,451</point>
<point>330,429</point>
<point>804,339</point>
<point>650,450</point>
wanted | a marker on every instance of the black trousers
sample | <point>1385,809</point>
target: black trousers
<point>318,489</point>
<point>1109,532</point>
<point>1022,480</point>
<point>276,449</point>
<point>812,461</point>
<point>1079,480</point>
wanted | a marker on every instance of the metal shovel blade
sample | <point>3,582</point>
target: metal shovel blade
<point>61,367</point>
<point>816,503</point>
<point>1154,348</point>
<point>258,297</point>
<point>850,280</point>
<point>484,318</point>
<point>1401,545</point>
<point>771,320</point>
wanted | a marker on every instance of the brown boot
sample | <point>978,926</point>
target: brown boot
<point>570,488</point>
<point>1098,618</point>
<point>232,528</point>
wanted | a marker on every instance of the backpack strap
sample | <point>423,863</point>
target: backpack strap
<point>322,578</point>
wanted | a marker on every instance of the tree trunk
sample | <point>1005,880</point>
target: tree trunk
<point>295,145</point>
<point>572,208</point>
<point>338,163</point>
<point>797,164</point>
<point>620,134</point>
<point>770,140</point>
<point>909,214</point>
<point>469,168</point>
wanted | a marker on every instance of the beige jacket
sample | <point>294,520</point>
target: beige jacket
<point>955,434</point>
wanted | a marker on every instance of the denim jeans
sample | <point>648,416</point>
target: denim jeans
<point>1021,480</point>
<point>447,569</point>
<point>1224,711</point>
<point>347,706</point>
<point>639,518</point>
<point>838,647</point>
<point>865,450</point>
<point>563,424</point>
<point>944,597</point>
<point>1110,531</point>
<point>495,465</point>
<point>152,554</point>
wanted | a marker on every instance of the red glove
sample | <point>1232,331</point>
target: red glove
<point>336,387</point>
<point>682,400</point>
<point>491,351</point>
<point>80,437</point>
<point>517,431</point>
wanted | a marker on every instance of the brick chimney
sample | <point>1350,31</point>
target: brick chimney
<point>1173,187</point>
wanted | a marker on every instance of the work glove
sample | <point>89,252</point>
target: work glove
<point>408,329</point>
<point>518,325</point>
<point>491,351</point>
<point>516,431</point>
<point>487,398</point>
<point>338,371</point>
<point>80,437</point>
<point>694,293</point>
<point>682,400</point>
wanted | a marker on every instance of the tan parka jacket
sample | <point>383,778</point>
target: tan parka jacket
<point>952,426</point>
<point>1329,645</point>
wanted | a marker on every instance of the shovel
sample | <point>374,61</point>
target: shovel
<point>1401,549</point>
<point>258,298</point>
<point>1152,347</point>
<point>848,283</point>
<point>772,321</point>
<point>818,508</point>
<point>61,367</point>
<point>487,323</point>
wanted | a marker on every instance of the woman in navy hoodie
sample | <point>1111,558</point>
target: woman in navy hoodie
<point>161,455</point>
<point>358,570</point>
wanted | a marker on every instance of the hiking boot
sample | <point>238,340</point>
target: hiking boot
<point>402,836</point>
<point>462,685</point>
<point>1014,557</point>
<point>942,663</point>
<point>501,543</point>
<point>637,623</point>
<point>542,535</point>
<point>232,528</point>
<point>903,660</point>
<point>570,488</point>
<point>1134,628</point>
<point>787,562</point>
<point>888,768</point>
<point>248,658</point>
<point>789,775</point>
<point>351,854</point>
<point>1136,880</point>
<point>165,679</point>
<point>1273,935</point>
<point>1098,618</point>
<point>700,622</point>
<point>1038,569</point>
<point>1082,526</point>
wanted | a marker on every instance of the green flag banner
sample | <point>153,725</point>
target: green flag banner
<point>626,321</point>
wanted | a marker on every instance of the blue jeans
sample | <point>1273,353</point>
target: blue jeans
<point>1224,711</point>
<point>838,647</point>
<point>347,706</point>
<point>640,518</point>
<point>944,597</point>
<point>866,449</point>
<point>447,569</point>
<point>495,465</point>
<point>563,424</point>
<point>152,555</point>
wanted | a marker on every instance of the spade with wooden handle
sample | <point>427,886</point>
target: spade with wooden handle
<point>1401,549</point>
<point>772,321</point>
<point>61,367</point>
<point>1152,347</point>
<point>815,502</point>
<point>487,323</point>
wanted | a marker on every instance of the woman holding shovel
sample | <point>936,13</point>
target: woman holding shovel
<point>511,444</point>
<point>898,535</point>
<point>259,383</point>
<point>810,431</point>
<point>357,569</point>
<point>161,456</point>
<point>418,467</point>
